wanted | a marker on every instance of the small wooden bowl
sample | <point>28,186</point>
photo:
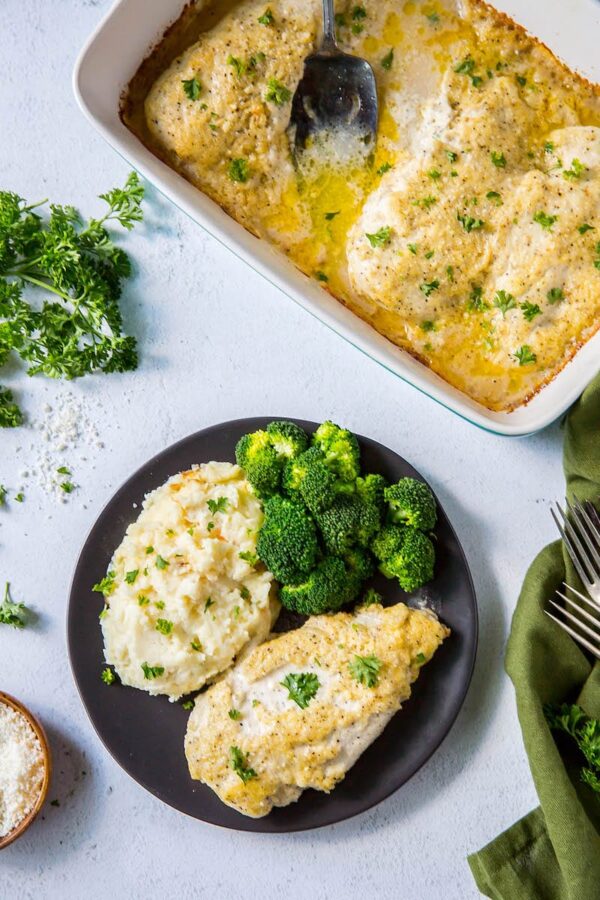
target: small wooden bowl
<point>24,824</point>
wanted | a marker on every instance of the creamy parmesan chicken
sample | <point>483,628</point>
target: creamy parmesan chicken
<point>298,710</point>
<point>472,238</point>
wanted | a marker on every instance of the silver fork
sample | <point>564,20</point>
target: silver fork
<point>581,536</point>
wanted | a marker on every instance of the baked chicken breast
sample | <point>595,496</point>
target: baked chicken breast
<point>297,711</point>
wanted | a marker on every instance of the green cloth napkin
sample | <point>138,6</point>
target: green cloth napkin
<point>553,853</point>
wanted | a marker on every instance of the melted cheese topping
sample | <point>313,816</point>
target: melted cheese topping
<point>484,188</point>
<point>291,748</point>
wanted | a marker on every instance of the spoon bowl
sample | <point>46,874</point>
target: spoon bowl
<point>337,94</point>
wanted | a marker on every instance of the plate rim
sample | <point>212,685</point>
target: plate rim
<point>70,621</point>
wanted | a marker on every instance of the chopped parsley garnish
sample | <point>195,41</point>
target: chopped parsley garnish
<point>67,486</point>
<point>575,172</point>
<point>413,248</point>
<point>380,238</point>
<point>161,563</point>
<point>371,597</point>
<point>469,223</point>
<point>330,216</point>
<point>151,672</point>
<point>159,604</point>
<point>20,497</point>
<point>321,276</point>
<point>476,302</point>
<point>14,614</point>
<point>544,219</point>
<point>504,301</point>
<point>143,600</point>
<point>498,159</point>
<point>467,67</point>
<point>63,470</point>
<point>425,202</point>
<point>188,704</point>
<point>196,645</point>
<point>340,20</point>
<point>365,669</point>
<point>267,17</point>
<point>192,88</point>
<point>108,676</point>
<point>430,254</point>
<point>249,557</point>
<point>244,592</point>
<point>582,229</point>
<point>530,310</point>
<point>388,59</point>
<point>107,585</point>
<point>432,17</point>
<point>384,167</point>
<point>521,80</point>
<point>434,174</point>
<point>3,493</point>
<point>164,626</point>
<point>452,156</point>
<point>301,687</point>
<point>555,295</point>
<point>131,576</point>
<point>428,325</point>
<point>428,287</point>
<point>149,550</point>
<point>217,506</point>
<point>10,414</point>
<point>238,65</point>
<point>548,147</point>
<point>210,526</point>
<point>420,658</point>
<point>525,355</point>
<point>239,170</point>
<point>210,602</point>
<point>450,273</point>
<point>277,92</point>
<point>238,761</point>
<point>234,714</point>
<point>104,612</point>
<point>495,197</point>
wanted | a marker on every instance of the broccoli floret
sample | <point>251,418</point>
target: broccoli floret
<point>287,541</point>
<point>359,563</point>
<point>308,475</point>
<point>371,489</point>
<point>287,438</point>
<point>340,450</point>
<point>348,521</point>
<point>326,589</point>
<point>263,468</point>
<point>412,503</point>
<point>388,541</point>
<point>412,564</point>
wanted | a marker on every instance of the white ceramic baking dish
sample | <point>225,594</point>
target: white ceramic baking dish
<point>571,28</point>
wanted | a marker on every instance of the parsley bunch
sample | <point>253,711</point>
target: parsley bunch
<point>585,731</point>
<point>78,271</point>
<point>14,614</point>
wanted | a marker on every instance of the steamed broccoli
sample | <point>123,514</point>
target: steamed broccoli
<point>412,564</point>
<point>287,541</point>
<point>388,541</point>
<point>308,475</point>
<point>359,563</point>
<point>411,503</point>
<point>263,468</point>
<point>287,439</point>
<point>348,521</point>
<point>340,450</point>
<point>371,489</point>
<point>326,589</point>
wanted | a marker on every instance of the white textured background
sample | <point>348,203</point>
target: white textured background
<point>218,342</point>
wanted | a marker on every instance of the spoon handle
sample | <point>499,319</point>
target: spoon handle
<point>329,42</point>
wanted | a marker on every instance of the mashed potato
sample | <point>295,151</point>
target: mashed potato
<point>182,602</point>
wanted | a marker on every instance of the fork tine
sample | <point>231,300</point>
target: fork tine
<point>572,618</point>
<point>587,528</point>
<point>584,557</point>
<point>586,615</point>
<point>570,549</point>
<point>576,637</point>
<point>581,596</point>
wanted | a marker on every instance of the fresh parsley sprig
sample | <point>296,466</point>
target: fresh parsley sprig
<point>77,270</point>
<point>14,614</point>
<point>585,731</point>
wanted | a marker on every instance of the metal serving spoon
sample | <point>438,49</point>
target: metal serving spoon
<point>337,92</point>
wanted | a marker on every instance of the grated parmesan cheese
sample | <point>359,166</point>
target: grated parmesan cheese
<point>21,769</point>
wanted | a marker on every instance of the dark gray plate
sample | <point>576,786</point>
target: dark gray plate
<point>145,734</point>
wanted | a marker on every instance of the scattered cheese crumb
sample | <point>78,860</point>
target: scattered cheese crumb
<point>22,768</point>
